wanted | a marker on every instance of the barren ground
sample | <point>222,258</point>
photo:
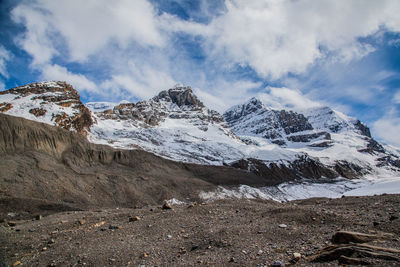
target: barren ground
<point>228,232</point>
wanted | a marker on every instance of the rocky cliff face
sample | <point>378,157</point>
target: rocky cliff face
<point>177,103</point>
<point>56,103</point>
<point>279,126</point>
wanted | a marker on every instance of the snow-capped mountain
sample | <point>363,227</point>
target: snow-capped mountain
<point>321,132</point>
<point>175,124</point>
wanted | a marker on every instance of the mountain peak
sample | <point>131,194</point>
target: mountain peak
<point>180,95</point>
<point>51,102</point>
<point>43,87</point>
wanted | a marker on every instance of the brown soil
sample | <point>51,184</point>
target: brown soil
<point>228,232</point>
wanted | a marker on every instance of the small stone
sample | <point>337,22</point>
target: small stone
<point>44,248</point>
<point>232,259</point>
<point>166,206</point>
<point>282,225</point>
<point>134,219</point>
<point>169,236</point>
<point>51,241</point>
<point>81,222</point>
<point>277,264</point>
<point>297,256</point>
<point>38,217</point>
<point>12,223</point>
<point>144,255</point>
<point>260,252</point>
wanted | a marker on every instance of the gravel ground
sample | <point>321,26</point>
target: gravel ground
<point>226,232</point>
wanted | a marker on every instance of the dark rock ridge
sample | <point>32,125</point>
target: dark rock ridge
<point>180,95</point>
<point>65,96</point>
<point>303,167</point>
<point>305,138</point>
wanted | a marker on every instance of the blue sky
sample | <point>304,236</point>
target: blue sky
<point>297,54</point>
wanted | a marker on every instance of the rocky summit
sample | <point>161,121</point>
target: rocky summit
<point>56,103</point>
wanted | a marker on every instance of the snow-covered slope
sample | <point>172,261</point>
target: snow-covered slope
<point>174,124</point>
<point>55,103</point>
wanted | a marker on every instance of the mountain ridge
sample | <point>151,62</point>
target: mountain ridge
<point>176,125</point>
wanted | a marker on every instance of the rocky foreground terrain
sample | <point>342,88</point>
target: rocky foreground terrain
<point>221,233</point>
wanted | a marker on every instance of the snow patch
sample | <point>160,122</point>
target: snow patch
<point>309,189</point>
<point>174,201</point>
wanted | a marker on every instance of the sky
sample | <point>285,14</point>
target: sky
<point>289,53</point>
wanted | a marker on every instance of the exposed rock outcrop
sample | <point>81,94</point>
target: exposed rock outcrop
<point>56,103</point>
<point>303,167</point>
<point>253,118</point>
<point>178,103</point>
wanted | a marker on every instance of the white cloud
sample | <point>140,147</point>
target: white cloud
<point>396,97</point>
<point>388,129</point>
<point>59,73</point>
<point>2,85</point>
<point>395,42</point>
<point>281,98</point>
<point>37,40</point>
<point>222,94</point>
<point>4,57</point>
<point>143,82</point>
<point>86,26</point>
<point>277,37</point>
